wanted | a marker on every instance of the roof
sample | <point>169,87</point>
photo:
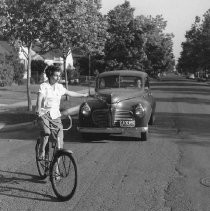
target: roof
<point>124,73</point>
<point>37,57</point>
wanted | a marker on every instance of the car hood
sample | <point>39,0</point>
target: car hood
<point>118,95</point>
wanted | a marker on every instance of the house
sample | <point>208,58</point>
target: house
<point>52,57</point>
<point>23,54</point>
<point>55,57</point>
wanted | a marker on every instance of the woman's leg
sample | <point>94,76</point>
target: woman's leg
<point>45,133</point>
<point>43,143</point>
<point>60,139</point>
<point>58,134</point>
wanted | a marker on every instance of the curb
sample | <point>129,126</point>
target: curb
<point>15,126</point>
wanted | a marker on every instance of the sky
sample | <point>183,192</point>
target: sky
<point>179,14</point>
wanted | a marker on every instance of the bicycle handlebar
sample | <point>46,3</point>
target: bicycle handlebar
<point>70,123</point>
<point>56,128</point>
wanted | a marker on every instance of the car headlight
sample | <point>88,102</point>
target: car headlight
<point>139,110</point>
<point>85,110</point>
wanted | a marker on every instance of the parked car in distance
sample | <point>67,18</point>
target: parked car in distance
<point>2,83</point>
<point>191,76</point>
<point>123,102</point>
<point>74,81</point>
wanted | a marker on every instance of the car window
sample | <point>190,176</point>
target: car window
<point>130,81</point>
<point>109,82</point>
<point>120,82</point>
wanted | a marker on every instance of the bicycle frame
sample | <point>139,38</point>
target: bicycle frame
<point>54,144</point>
<point>54,165</point>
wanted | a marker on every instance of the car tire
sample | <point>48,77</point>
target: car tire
<point>152,119</point>
<point>144,136</point>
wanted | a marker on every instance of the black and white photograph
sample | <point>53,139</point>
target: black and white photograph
<point>104,105</point>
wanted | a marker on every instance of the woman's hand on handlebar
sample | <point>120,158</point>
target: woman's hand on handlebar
<point>37,112</point>
<point>86,95</point>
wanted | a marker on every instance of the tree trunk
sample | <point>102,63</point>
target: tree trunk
<point>28,78</point>
<point>65,72</point>
<point>89,70</point>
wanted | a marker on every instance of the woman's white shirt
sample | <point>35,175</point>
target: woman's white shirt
<point>52,97</point>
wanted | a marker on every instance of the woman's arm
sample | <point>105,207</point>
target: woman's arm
<point>75,94</point>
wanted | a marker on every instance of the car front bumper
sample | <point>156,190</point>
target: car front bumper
<point>111,130</point>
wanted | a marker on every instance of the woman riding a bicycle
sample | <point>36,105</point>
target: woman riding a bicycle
<point>48,107</point>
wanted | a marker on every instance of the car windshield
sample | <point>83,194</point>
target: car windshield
<point>116,81</point>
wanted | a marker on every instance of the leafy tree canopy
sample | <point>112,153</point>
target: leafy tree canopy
<point>23,22</point>
<point>137,42</point>
<point>196,48</point>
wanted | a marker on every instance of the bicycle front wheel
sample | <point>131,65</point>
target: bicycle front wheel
<point>63,175</point>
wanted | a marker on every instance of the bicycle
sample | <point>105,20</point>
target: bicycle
<point>55,166</point>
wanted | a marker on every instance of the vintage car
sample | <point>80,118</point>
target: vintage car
<point>123,101</point>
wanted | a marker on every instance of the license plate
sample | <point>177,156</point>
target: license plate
<point>127,123</point>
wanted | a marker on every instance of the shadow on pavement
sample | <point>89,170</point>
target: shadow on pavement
<point>191,128</point>
<point>14,117</point>
<point>182,83</point>
<point>7,188</point>
<point>180,90</point>
<point>166,124</point>
<point>191,100</point>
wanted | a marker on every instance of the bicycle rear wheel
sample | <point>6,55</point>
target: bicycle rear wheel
<point>42,165</point>
<point>63,175</point>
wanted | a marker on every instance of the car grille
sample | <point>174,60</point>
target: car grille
<point>119,115</point>
<point>101,118</point>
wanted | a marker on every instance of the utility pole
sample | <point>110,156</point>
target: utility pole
<point>89,67</point>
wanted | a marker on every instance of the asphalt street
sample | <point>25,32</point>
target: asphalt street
<point>170,171</point>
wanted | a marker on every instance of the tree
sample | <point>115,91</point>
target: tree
<point>25,21</point>
<point>192,49</point>
<point>137,42</point>
<point>196,49</point>
<point>205,39</point>
<point>124,48</point>
<point>76,25</point>
<point>159,46</point>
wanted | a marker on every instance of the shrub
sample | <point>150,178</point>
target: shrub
<point>6,74</point>
<point>37,69</point>
<point>18,72</point>
<point>38,66</point>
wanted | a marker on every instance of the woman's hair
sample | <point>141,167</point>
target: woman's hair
<point>51,70</point>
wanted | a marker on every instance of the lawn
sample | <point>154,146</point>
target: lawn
<point>15,94</point>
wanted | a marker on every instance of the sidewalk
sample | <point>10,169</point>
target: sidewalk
<point>19,109</point>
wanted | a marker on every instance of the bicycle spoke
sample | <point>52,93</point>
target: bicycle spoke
<point>64,166</point>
